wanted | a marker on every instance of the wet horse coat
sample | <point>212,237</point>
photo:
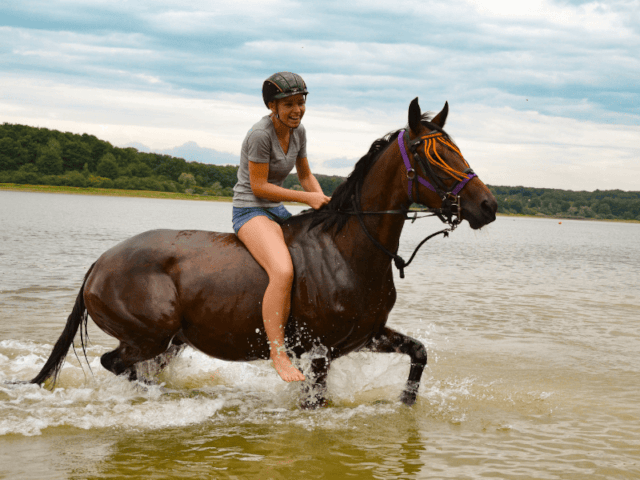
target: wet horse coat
<point>204,289</point>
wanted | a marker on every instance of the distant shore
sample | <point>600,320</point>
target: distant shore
<point>114,192</point>
<point>111,192</point>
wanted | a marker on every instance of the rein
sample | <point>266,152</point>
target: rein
<point>450,197</point>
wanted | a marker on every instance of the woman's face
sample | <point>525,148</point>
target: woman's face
<point>289,110</point>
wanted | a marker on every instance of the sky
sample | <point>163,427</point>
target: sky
<point>541,93</point>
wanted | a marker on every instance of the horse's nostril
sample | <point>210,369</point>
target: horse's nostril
<point>489,207</point>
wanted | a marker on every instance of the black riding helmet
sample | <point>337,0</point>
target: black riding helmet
<point>282,85</point>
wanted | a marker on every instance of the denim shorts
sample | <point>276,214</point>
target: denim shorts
<point>242,215</point>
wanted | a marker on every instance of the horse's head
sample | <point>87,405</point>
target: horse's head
<point>438,175</point>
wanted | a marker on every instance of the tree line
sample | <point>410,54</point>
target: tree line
<point>39,156</point>
<point>600,204</point>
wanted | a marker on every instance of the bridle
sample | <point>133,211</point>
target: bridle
<point>450,197</point>
<point>449,212</point>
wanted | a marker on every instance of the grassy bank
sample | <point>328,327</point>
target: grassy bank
<point>110,192</point>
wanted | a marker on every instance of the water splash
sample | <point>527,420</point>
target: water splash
<point>195,388</point>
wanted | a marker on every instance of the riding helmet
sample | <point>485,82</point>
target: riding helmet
<point>281,85</point>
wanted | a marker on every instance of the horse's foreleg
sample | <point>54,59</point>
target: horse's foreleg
<point>315,388</point>
<point>390,341</point>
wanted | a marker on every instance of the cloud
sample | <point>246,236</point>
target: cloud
<point>527,148</point>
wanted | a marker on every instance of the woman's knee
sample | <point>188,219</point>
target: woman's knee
<point>281,272</point>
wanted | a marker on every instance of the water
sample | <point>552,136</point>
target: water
<point>532,329</point>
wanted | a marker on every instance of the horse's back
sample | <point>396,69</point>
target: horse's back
<point>186,257</point>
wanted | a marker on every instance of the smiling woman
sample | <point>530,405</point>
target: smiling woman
<point>269,152</point>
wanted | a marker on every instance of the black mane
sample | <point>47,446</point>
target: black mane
<point>342,199</point>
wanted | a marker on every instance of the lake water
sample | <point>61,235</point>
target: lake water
<point>532,328</point>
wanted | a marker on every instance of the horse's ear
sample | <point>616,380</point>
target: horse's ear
<point>415,116</point>
<point>441,118</point>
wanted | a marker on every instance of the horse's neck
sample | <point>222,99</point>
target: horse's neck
<point>382,190</point>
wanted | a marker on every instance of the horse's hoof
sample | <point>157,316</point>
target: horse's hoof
<point>408,398</point>
<point>312,404</point>
<point>410,393</point>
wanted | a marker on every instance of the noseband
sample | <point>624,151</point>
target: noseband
<point>450,197</point>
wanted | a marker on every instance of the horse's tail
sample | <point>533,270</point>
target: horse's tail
<point>77,317</point>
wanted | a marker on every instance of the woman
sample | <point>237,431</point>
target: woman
<point>269,151</point>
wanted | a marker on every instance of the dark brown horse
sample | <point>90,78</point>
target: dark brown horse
<point>163,288</point>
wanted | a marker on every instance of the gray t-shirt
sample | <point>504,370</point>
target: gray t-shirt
<point>261,145</point>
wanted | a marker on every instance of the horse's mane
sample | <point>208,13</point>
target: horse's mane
<point>342,199</point>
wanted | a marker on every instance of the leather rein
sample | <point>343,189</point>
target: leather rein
<point>450,211</point>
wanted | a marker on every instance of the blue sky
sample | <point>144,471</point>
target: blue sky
<point>541,93</point>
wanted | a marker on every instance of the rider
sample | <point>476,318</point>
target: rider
<point>269,151</point>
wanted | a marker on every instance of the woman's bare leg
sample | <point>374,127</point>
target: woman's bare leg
<point>264,239</point>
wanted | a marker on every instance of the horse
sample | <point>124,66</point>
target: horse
<point>163,289</point>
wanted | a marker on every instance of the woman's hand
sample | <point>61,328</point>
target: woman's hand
<point>317,200</point>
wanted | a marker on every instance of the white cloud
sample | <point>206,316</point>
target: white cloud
<point>595,17</point>
<point>530,149</point>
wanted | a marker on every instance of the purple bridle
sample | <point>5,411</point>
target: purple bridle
<point>449,209</point>
<point>450,195</point>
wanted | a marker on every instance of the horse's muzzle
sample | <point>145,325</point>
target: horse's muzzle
<point>479,216</point>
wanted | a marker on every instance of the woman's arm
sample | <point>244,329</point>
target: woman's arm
<point>259,174</point>
<point>306,178</point>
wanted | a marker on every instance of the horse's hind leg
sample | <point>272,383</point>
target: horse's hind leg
<point>390,341</point>
<point>139,310</point>
<point>163,360</point>
<point>114,362</point>
<point>123,360</point>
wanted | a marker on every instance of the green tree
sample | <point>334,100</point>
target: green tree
<point>603,208</point>
<point>9,154</point>
<point>139,169</point>
<point>49,161</point>
<point>126,156</point>
<point>187,180</point>
<point>27,174</point>
<point>124,183</point>
<point>75,179</point>
<point>108,167</point>
<point>75,153</point>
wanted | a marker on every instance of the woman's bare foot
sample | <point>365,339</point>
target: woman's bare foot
<point>285,368</point>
